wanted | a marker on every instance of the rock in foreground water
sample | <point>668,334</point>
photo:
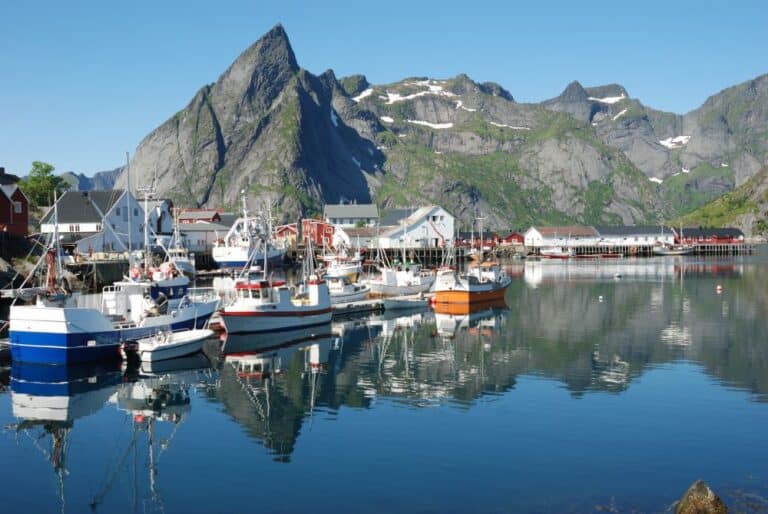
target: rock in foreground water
<point>700,499</point>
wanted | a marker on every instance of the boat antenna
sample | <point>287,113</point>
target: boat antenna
<point>128,211</point>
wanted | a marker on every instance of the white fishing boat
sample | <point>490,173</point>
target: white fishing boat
<point>264,305</point>
<point>557,252</point>
<point>179,255</point>
<point>241,246</point>
<point>340,263</point>
<point>343,291</point>
<point>169,345</point>
<point>405,302</point>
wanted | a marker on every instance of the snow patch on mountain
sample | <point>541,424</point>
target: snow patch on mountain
<point>460,105</point>
<point>675,142</point>
<point>362,95</point>
<point>502,125</point>
<point>657,180</point>
<point>387,119</point>
<point>622,113</point>
<point>431,125</point>
<point>334,118</point>
<point>608,99</point>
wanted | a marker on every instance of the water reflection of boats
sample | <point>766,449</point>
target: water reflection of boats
<point>611,374</point>
<point>46,401</point>
<point>154,403</point>
<point>237,343</point>
<point>269,391</point>
<point>482,318</point>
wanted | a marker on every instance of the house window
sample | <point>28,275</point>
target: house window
<point>135,211</point>
<point>17,207</point>
<point>98,227</point>
<point>74,228</point>
<point>117,211</point>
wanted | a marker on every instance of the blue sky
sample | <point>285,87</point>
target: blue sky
<point>84,82</point>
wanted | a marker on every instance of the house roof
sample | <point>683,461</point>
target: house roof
<point>712,232</point>
<point>567,231</point>
<point>351,210</point>
<point>9,189</point>
<point>203,227</point>
<point>198,214</point>
<point>652,230</point>
<point>394,216</point>
<point>81,206</point>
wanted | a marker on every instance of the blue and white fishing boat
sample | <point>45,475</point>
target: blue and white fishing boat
<point>242,245</point>
<point>56,329</point>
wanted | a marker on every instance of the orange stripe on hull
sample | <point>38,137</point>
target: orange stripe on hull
<point>467,297</point>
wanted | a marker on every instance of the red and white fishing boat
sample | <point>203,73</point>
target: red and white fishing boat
<point>267,306</point>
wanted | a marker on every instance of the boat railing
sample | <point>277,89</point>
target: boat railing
<point>202,294</point>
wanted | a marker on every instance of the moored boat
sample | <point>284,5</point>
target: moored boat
<point>679,249</point>
<point>483,282</point>
<point>267,305</point>
<point>405,302</point>
<point>342,290</point>
<point>557,252</point>
<point>169,345</point>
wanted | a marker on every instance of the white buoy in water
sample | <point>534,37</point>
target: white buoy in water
<point>719,289</point>
<point>600,298</point>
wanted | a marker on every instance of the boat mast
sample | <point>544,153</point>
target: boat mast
<point>56,245</point>
<point>480,225</point>
<point>127,210</point>
<point>147,191</point>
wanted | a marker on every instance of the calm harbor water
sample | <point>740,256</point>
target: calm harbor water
<point>595,387</point>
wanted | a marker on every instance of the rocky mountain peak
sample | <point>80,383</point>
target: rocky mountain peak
<point>252,82</point>
<point>574,92</point>
<point>607,91</point>
<point>353,85</point>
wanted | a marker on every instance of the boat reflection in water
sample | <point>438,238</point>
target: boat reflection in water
<point>157,403</point>
<point>269,383</point>
<point>483,318</point>
<point>46,401</point>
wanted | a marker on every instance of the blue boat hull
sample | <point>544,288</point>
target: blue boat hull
<point>74,348</point>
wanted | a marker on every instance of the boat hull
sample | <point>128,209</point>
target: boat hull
<point>468,297</point>
<point>393,290</point>
<point>265,321</point>
<point>149,352</point>
<point>71,336</point>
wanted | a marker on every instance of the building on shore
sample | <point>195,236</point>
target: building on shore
<point>640,235</point>
<point>351,214</point>
<point>99,221</point>
<point>14,210</point>
<point>711,236</point>
<point>538,237</point>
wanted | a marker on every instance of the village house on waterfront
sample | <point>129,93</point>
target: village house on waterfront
<point>429,226</point>
<point>98,221</point>
<point>351,214</point>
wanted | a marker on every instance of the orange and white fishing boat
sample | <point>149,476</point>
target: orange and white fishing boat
<point>483,282</point>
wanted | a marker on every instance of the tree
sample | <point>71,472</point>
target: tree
<point>41,183</point>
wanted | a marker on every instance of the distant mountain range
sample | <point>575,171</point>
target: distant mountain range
<point>592,155</point>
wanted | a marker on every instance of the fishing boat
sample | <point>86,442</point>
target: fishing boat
<point>342,290</point>
<point>673,249</point>
<point>241,245</point>
<point>340,263</point>
<point>405,302</point>
<point>57,330</point>
<point>261,304</point>
<point>557,252</point>
<point>169,345</point>
<point>482,282</point>
<point>179,255</point>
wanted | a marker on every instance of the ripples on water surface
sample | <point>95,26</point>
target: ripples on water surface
<point>597,386</point>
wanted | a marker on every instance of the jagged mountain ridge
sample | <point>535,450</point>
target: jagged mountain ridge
<point>298,140</point>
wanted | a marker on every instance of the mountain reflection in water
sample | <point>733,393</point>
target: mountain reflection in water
<point>595,331</point>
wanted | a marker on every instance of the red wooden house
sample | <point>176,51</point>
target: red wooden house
<point>513,238</point>
<point>711,236</point>
<point>14,211</point>
<point>318,231</point>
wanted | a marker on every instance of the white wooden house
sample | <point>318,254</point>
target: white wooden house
<point>566,236</point>
<point>425,227</point>
<point>99,221</point>
<point>635,236</point>
<point>351,214</point>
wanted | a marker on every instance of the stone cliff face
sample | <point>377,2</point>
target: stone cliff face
<point>591,155</point>
<point>266,127</point>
